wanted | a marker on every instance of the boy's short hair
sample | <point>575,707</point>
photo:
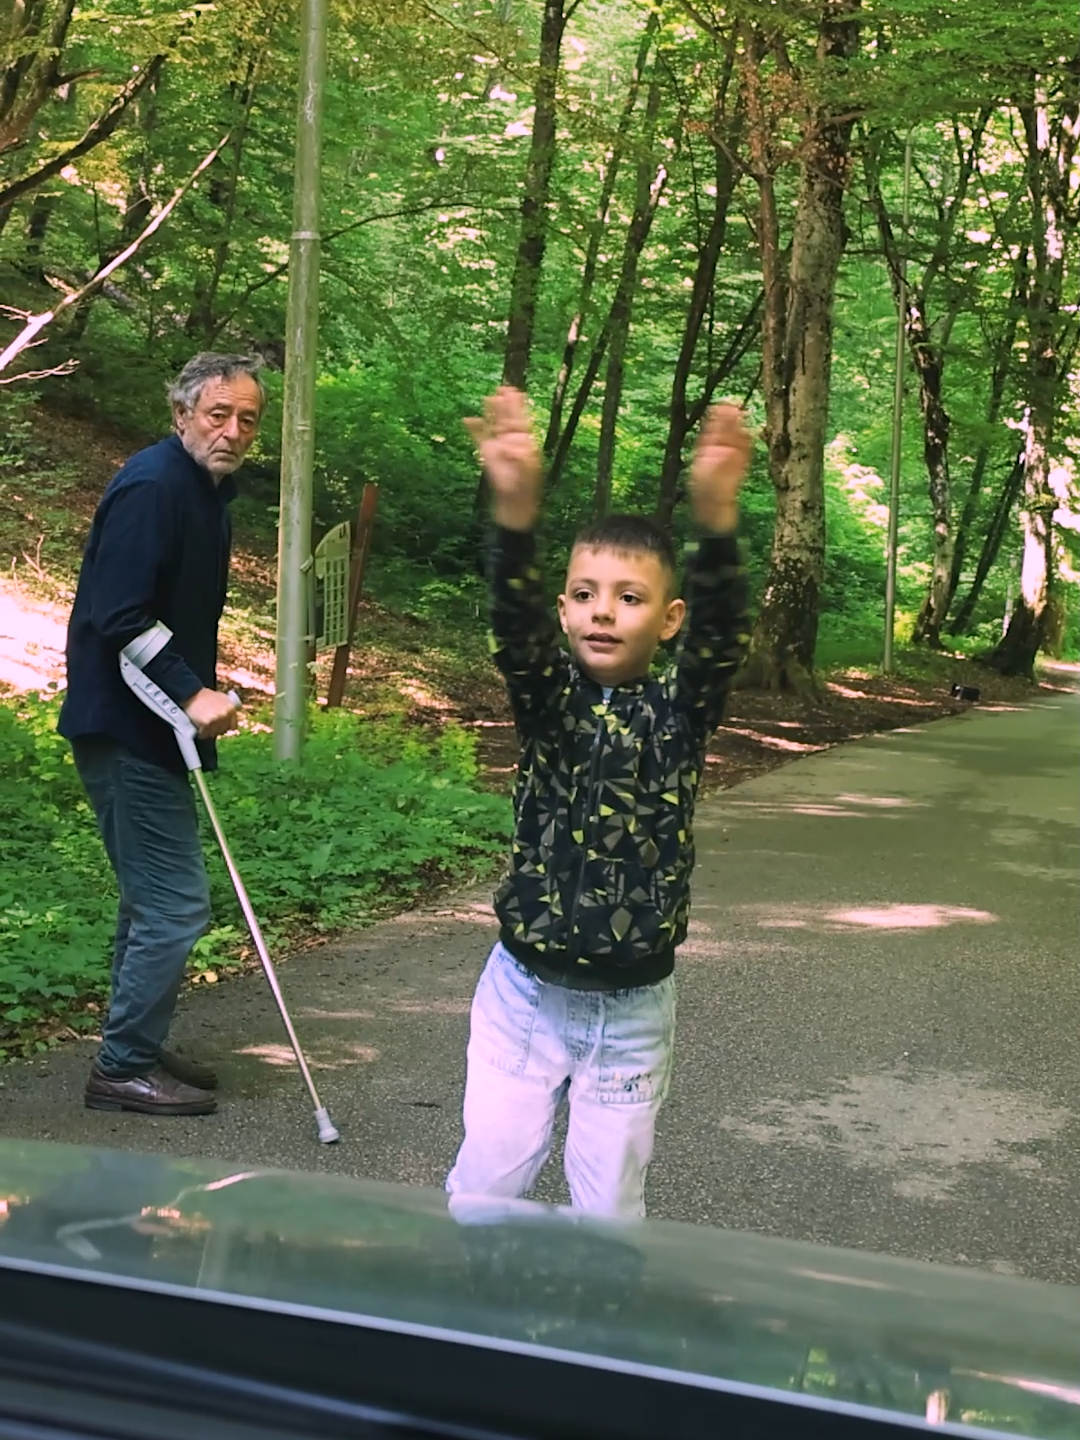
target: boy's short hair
<point>631,534</point>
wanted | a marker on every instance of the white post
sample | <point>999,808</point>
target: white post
<point>297,429</point>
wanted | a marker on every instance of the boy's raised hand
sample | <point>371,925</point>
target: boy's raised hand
<point>511,458</point>
<point>718,468</point>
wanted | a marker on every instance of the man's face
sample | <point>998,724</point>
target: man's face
<point>616,610</point>
<point>218,432</point>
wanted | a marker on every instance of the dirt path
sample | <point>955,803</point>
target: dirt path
<point>32,634</point>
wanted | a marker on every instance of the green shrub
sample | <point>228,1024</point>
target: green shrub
<point>373,812</point>
<point>57,899</point>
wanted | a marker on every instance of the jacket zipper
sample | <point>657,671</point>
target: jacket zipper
<point>586,831</point>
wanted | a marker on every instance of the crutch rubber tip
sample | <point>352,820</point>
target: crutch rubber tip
<point>328,1135</point>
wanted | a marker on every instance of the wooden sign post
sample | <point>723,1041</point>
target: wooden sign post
<point>361,543</point>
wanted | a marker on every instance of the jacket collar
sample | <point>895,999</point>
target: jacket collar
<point>225,490</point>
<point>629,687</point>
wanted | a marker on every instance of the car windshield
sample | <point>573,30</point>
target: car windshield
<point>983,1350</point>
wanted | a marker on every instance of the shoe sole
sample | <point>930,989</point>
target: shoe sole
<point>197,1107</point>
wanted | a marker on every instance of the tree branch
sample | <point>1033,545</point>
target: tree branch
<point>741,342</point>
<point>100,130</point>
<point>475,38</point>
<point>710,27</point>
<point>36,323</point>
<point>279,270</point>
<point>46,64</point>
<point>66,367</point>
<point>965,169</point>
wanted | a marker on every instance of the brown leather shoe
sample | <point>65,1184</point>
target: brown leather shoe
<point>158,1093</point>
<point>188,1072</point>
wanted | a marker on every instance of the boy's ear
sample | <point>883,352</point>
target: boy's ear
<point>676,614</point>
<point>562,614</point>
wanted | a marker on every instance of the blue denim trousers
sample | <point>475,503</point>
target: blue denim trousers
<point>147,819</point>
<point>534,1046</point>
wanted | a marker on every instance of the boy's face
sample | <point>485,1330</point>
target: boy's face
<point>616,610</point>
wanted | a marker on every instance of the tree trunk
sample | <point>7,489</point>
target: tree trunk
<point>138,209</point>
<point>35,324</point>
<point>647,191</point>
<point>98,130</point>
<point>525,285</point>
<point>637,235</point>
<point>532,236</point>
<point>709,248</point>
<point>929,365</point>
<point>34,71</point>
<point>596,236</point>
<point>577,409</point>
<point>202,324</point>
<point>1020,644</point>
<point>682,424</point>
<point>44,204</point>
<point>928,357</point>
<point>1051,152</point>
<point>995,534</point>
<point>37,226</point>
<point>741,342</point>
<point>796,362</point>
<point>1003,361</point>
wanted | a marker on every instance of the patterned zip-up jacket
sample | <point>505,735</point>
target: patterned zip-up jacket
<point>597,895</point>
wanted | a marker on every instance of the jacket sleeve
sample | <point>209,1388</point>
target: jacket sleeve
<point>524,639</point>
<point>717,632</point>
<point>134,547</point>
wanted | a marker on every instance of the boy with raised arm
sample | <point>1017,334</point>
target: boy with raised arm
<point>577,1000</point>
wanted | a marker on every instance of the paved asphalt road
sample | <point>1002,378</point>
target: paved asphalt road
<point>879,1014</point>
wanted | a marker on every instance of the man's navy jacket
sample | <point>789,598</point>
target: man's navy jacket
<point>158,550</point>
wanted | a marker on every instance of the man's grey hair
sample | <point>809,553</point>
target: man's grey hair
<point>188,385</point>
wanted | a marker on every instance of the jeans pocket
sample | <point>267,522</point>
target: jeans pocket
<point>504,1013</point>
<point>636,1048</point>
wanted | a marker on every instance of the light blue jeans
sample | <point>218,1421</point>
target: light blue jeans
<point>532,1045</point>
<point>150,829</point>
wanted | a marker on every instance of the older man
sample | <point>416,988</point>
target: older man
<point>158,550</point>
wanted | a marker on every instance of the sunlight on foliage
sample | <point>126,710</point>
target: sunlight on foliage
<point>375,813</point>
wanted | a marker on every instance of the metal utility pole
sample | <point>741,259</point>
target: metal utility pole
<point>297,429</point>
<point>897,427</point>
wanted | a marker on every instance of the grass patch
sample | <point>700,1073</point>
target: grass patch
<point>375,813</point>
